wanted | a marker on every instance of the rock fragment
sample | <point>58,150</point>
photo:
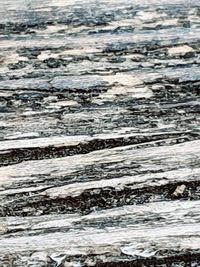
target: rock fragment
<point>179,190</point>
<point>180,50</point>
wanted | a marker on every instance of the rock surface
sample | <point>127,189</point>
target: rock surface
<point>99,133</point>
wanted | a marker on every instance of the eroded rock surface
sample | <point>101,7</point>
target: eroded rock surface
<point>99,133</point>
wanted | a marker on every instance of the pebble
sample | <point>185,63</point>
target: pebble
<point>179,190</point>
<point>53,62</point>
<point>180,50</point>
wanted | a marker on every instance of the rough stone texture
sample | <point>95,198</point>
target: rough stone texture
<point>99,133</point>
